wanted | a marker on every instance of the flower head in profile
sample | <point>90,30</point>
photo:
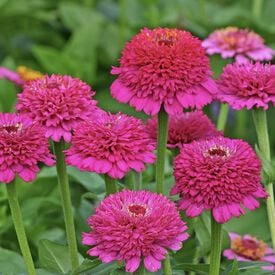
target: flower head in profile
<point>135,226</point>
<point>22,146</point>
<point>240,44</point>
<point>111,144</point>
<point>247,248</point>
<point>58,103</point>
<point>166,67</point>
<point>219,174</point>
<point>247,85</point>
<point>185,128</point>
<point>20,76</point>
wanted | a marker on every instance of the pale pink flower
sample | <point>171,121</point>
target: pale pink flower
<point>22,146</point>
<point>219,174</point>
<point>247,85</point>
<point>58,103</point>
<point>111,144</point>
<point>240,44</point>
<point>166,67</point>
<point>247,248</point>
<point>185,128</point>
<point>135,226</point>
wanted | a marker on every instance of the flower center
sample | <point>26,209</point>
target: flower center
<point>137,209</point>
<point>166,38</point>
<point>250,248</point>
<point>10,129</point>
<point>217,152</point>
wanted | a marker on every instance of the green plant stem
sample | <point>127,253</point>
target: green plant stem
<point>19,227</point>
<point>166,266</point>
<point>257,9</point>
<point>224,108</point>
<point>215,254</point>
<point>162,141</point>
<point>141,270</point>
<point>110,185</point>
<point>63,182</point>
<point>260,122</point>
<point>137,180</point>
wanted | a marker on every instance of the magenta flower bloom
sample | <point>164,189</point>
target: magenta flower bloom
<point>166,67</point>
<point>58,103</point>
<point>22,146</point>
<point>247,85</point>
<point>135,226</point>
<point>247,248</point>
<point>10,75</point>
<point>219,174</point>
<point>185,128</point>
<point>111,144</point>
<point>240,44</point>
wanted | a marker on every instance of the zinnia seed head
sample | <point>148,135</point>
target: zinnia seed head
<point>163,67</point>
<point>219,174</point>
<point>135,226</point>
<point>22,146</point>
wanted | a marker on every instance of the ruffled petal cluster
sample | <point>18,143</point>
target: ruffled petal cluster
<point>219,174</point>
<point>135,226</point>
<point>248,248</point>
<point>22,146</point>
<point>166,67</point>
<point>247,85</point>
<point>58,103</point>
<point>240,44</point>
<point>185,128</point>
<point>111,144</point>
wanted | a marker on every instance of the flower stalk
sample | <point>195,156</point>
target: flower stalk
<point>19,227</point>
<point>161,149</point>
<point>110,185</point>
<point>260,122</point>
<point>215,255</point>
<point>66,201</point>
<point>224,108</point>
<point>166,265</point>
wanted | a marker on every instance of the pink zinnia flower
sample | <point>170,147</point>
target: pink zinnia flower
<point>240,44</point>
<point>219,174</point>
<point>111,144</point>
<point>247,85</point>
<point>247,248</point>
<point>166,67</point>
<point>22,146</point>
<point>58,103</point>
<point>135,226</point>
<point>185,128</point>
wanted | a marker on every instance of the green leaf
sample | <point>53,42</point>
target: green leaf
<point>202,230</point>
<point>198,268</point>
<point>11,262</point>
<point>54,257</point>
<point>234,269</point>
<point>86,265</point>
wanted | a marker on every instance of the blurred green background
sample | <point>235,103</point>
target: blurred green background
<point>84,39</point>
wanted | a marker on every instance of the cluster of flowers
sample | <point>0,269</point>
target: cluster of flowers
<point>159,69</point>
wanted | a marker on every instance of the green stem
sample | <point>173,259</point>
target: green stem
<point>166,265</point>
<point>66,201</point>
<point>162,141</point>
<point>224,108</point>
<point>19,227</point>
<point>215,254</point>
<point>137,180</point>
<point>110,185</point>
<point>257,9</point>
<point>260,122</point>
<point>141,270</point>
<point>196,259</point>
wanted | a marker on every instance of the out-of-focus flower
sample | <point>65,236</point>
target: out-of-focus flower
<point>58,103</point>
<point>185,128</point>
<point>240,44</point>
<point>20,76</point>
<point>247,248</point>
<point>135,226</point>
<point>166,67</point>
<point>111,144</point>
<point>219,174</point>
<point>247,85</point>
<point>22,146</point>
